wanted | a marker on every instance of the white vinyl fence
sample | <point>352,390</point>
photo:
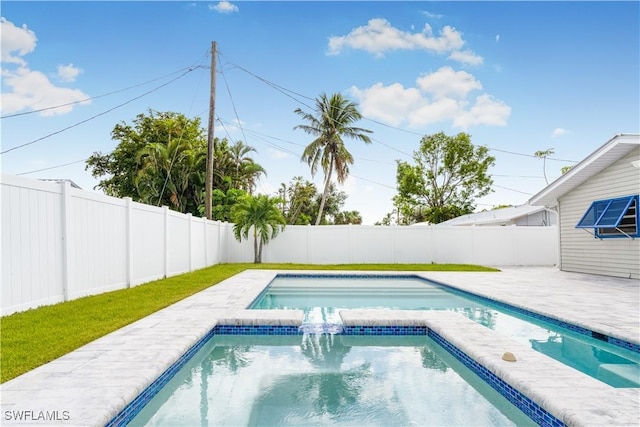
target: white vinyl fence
<point>60,243</point>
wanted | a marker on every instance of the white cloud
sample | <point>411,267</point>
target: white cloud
<point>466,57</point>
<point>32,89</point>
<point>559,132</point>
<point>15,39</point>
<point>440,110</point>
<point>391,104</point>
<point>224,7</point>
<point>486,111</point>
<point>431,15</point>
<point>442,96</point>
<point>378,37</point>
<point>448,82</point>
<point>68,73</point>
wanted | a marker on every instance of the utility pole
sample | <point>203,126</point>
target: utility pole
<point>208,188</point>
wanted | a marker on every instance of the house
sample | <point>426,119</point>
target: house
<point>523,215</point>
<point>597,205</point>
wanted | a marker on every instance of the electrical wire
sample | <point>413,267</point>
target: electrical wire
<point>93,97</point>
<point>52,167</point>
<point>287,93</point>
<point>98,115</point>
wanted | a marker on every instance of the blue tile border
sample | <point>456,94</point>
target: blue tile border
<point>345,276</point>
<point>556,322</point>
<point>534,411</point>
<point>522,402</point>
<point>385,330</point>
<point>135,406</point>
<point>257,330</point>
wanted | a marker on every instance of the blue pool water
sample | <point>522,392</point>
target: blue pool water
<point>321,297</point>
<point>322,379</point>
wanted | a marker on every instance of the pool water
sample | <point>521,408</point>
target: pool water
<point>321,298</point>
<point>322,379</point>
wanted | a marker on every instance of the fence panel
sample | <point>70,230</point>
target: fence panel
<point>178,244</point>
<point>329,244</point>
<point>370,244</point>
<point>60,243</point>
<point>147,243</point>
<point>292,245</point>
<point>97,251</point>
<point>32,252</point>
<point>413,245</point>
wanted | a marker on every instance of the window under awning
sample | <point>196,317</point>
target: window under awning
<point>606,213</point>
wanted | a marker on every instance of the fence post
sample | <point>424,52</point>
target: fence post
<point>190,241</point>
<point>129,242</point>
<point>66,233</point>
<point>309,244</point>
<point>206,252</point>
<point>166,241</point>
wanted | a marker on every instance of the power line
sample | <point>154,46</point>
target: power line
<point>97,115</point>
<point>511,189</point>
<point>287,92</point>
<point>233,105</point>
<point>94,97</point>
<point>52,167</point>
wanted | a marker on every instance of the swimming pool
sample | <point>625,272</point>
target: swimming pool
<point>324,379</point>
<point>321,297</point>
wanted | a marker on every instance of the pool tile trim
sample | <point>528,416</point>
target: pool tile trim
<point>534,411</point>
<point>556,322</point>
<point>134,407</point>
<point>577,400</point>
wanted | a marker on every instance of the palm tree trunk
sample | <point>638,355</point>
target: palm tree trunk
<point>325,192</point>
<point>256,258</point>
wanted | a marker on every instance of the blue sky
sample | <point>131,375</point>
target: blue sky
<point>517,76</point>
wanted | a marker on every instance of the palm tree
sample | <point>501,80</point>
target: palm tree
<point>261,215</point>
<point>247,171</point>
<point>234,168</point>
<point>334,118</point>
<point>543,155</point>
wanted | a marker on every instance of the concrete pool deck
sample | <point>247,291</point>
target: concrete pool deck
<point>92,384</point>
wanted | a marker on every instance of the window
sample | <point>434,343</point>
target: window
<point>612,217</point>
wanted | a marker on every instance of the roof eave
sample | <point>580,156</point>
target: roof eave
<point>549,195</point>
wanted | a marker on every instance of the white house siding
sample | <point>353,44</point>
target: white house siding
<point>580,251</point>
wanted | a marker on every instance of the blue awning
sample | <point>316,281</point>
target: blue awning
<point>605,213</point>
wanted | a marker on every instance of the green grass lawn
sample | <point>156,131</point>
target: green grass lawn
<point>35,337</point>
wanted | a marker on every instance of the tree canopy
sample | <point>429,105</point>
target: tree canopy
<point>300,199</point>
<point>161,160</point>
<point>334,118</point>
<point>447,175</point>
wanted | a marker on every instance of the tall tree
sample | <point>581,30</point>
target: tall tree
<point>161,159</point>
<point>543,154</point>
<point>170,173</point>
<point>118,170</point>
<point>334,118</point>
<point>448,175</point>
<point>348,217</point>
<point>298,200</point>
<point>260,216</point>
<point>234,167</point>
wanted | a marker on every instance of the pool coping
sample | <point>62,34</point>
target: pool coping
<point>94,383</point>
